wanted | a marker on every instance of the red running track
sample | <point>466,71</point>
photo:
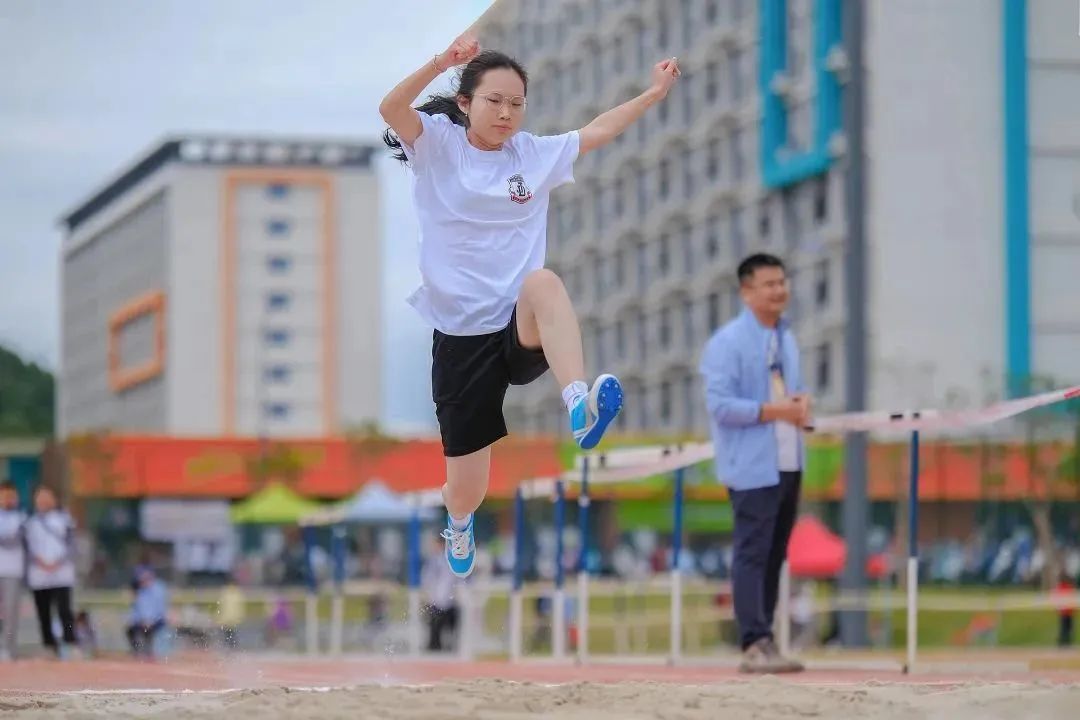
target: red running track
<point>219,673</point>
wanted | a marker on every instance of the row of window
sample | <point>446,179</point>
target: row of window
<point>673,25</point>
<point>611,203</point>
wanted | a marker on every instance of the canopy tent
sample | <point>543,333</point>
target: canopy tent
<point>275,504</point>
<point>374,503</point>
<point>815,551</point>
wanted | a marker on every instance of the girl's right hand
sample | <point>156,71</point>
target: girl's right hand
<point>460,52</point>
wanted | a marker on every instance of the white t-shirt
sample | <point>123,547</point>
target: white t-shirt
<point>787,435</point>
<point>483,221</point>
<point>12,554</point>
<point>50,538</point>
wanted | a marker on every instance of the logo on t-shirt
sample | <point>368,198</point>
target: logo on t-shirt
<point>519,191</point>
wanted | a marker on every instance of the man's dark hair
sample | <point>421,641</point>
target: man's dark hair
<point>750,265</point>
<point>7,485</point>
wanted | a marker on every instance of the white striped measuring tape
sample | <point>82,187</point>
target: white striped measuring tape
<point>622,465</point>
<point>607,467</point>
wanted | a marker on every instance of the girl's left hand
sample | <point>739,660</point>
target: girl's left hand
<point>664,75</point>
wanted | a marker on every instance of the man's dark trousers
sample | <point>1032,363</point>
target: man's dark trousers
<point>763,521</point>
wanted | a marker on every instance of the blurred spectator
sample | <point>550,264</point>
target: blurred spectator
<point>50,538</point>
<point>1064,591</point>
<point>438,585</point>
<point>232,610</point>
<point>148,611</point>
<point>12,568</point>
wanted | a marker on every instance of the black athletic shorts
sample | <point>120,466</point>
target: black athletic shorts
<point>469,378</point>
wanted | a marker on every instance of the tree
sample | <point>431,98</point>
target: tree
<point>27,397</point>
<point>1044,430</point>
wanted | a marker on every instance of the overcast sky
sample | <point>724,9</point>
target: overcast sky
<point>87,85</point>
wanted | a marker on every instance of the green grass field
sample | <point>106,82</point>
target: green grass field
<point>638,622</point>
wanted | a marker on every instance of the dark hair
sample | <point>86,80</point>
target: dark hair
<point>467,81</point>
<point>7,485</point>
<point>750,265</point>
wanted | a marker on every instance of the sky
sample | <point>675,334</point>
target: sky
<point>89,86</point>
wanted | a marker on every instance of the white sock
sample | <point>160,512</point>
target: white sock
<point>460,523</point>
<point>573,392</point>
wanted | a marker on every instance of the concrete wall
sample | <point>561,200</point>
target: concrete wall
<point>934,139</point>
<point>117,257</point>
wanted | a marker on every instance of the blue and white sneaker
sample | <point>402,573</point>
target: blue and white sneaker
<point>460,548</point>
<point>594,412</point>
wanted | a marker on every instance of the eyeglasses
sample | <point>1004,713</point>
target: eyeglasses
<point>496,100</point>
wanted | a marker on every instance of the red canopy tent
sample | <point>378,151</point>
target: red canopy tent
<point>814,551</point>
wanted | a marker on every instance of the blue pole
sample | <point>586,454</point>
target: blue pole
<point>677,523</point>
<point>519,537</point>
<point>308,535</point>
<point>414,549</point>
<point>560,523</point>
<point>583,517</point>
<point>913,498</point>
<point>337,552</point>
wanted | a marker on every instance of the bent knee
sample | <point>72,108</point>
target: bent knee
<point>542,282</point>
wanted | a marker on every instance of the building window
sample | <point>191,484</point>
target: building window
<point>620,339</point>
<point>665,327</point>
<point>601,346</point>
<point>277,374</point>
<point>712,159</point>
<point>276,338</point>
<point>821,198</point>
<point>823,370</point>
<point>662,112</point>
<point>737,164</point>
<point>688,249</point>
<point>278,227</point>
<point>714,311</point>
<point>664,179</point>
<point>712,11</point>
<point>689,187</point>
<point>665,402</point>
<point>278,263</point>
<point>620,270</point>
<point>276,410</point>
<point>642,336</point>
<point>687,23</point>
<point>639,41</point>
<point>712,83</point>
<point>688,401</point>
<point>278,301</point>
<point>821,284</point>
<point>600,278</point>
<point>712,236</point>
<point>734,61</point>
<point>687,90</point>
<point>662,31</point>
<point>663,261</point>
<point>688,323</point>
<point>738,234</point>
<point>642,192</point>
<point>763,219</point>
<point>642,267</point>
<point>734,300</point>
<point>620,190</point>
<point>277,191</point>
<point>617,55</point>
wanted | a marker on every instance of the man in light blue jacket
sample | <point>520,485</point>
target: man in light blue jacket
<point>757,407</point>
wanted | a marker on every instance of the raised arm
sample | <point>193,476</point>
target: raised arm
<point>396,108</point>
<point>607,126</point>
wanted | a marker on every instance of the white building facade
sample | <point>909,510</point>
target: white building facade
<point>225,286</point>
<point>972,171</point>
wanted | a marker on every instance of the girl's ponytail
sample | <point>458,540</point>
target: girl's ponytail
<point>436,105</point>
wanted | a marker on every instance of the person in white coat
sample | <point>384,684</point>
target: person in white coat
<point>12,568</point>
<point>50,572</point>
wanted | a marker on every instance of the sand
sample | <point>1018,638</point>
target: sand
<point>758,699</point>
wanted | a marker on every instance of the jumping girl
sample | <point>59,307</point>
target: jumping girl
<point>481,188</point>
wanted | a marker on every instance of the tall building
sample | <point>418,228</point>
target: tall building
<point>971,177</point>
<point>225,286</point>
